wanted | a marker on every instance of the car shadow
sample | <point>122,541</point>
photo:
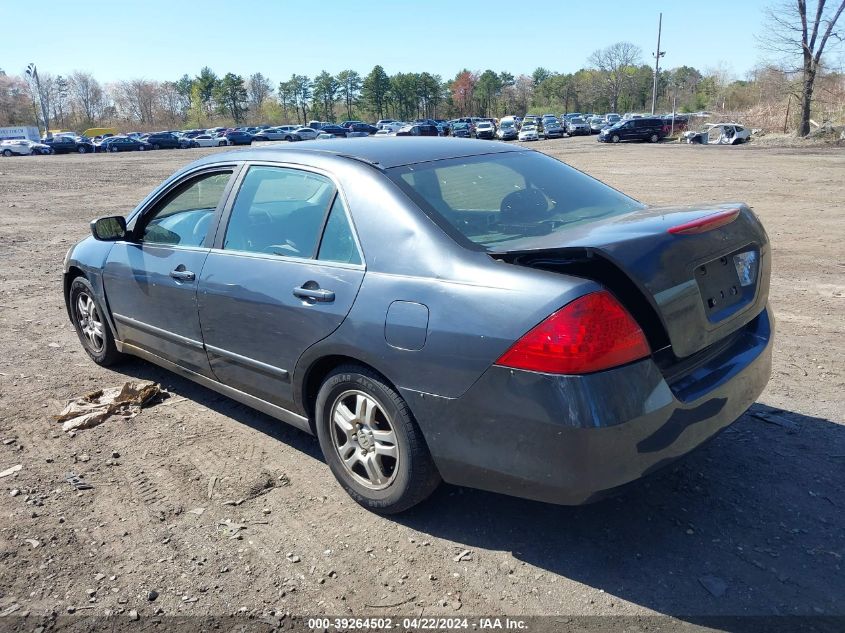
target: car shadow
<point>183,387</point>
<point>752,524</point>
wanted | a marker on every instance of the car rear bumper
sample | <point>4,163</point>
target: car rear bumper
<point>574,439</point>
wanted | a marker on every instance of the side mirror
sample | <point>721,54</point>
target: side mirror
<point>109,229</point>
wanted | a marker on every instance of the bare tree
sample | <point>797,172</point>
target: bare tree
<point>86,96</point>
<point>258,89</point>
<point>137,99</point>
<point>14,101</point>
<point>798,32</point>
<point>616,62</point>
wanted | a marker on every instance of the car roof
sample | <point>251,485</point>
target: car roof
<point>383,152</point>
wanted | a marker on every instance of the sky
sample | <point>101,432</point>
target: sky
<point>164,39</point>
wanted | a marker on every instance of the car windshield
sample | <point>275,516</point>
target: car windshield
<point>495,199</point>
<point>577,119</point>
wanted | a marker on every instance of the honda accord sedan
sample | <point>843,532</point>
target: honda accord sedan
<point>437,309</point>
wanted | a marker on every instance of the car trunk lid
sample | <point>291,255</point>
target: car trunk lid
<point>690,275</point>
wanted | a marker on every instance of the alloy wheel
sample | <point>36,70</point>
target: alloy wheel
<point>363,436</point>
<point>90,323</point>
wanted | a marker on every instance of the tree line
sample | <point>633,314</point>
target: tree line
<point>614,80</point>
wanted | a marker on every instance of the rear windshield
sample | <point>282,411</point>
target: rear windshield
<point>493,199</point>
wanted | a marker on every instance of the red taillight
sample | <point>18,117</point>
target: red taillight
<point>592,333</point>
<point>707,223</point>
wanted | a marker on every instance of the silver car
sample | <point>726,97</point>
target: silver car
<point>576,125</point>
<point>280,133</point>
<point>23,147</point>
<point>305,133</point>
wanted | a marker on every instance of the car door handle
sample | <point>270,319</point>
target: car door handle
<point>182,275</point>
<point>314,294</point>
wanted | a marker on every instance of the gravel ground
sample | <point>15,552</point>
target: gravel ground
<point>751,524</point>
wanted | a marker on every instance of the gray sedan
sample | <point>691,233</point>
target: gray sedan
<point>439,309</point>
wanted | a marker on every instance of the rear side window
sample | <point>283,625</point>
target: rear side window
<point>338,243</point>
<point>279,211</point>
<point>493,201</point>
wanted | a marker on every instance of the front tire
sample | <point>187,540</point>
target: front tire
<point>371,442</point>
<point>90,324</point>
<point>653,138</point>
<point>615,138</point>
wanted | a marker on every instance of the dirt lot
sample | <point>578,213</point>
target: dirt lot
<point>752,524</point>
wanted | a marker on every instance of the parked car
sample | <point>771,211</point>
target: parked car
<point>335,130</point>
<point>238,137</point>
<point>577,126</point>
<point>650,129</point>
<point>418,129</point>
<point>529,132</point>
<point>382,329</point>
<point>207,140</point>
<point>485,129</point>
<point>392,127</point>
<point>507,131</point>
<point>163,140</point>
<point>280,133</point>
<point>719,134</point>
<point>596,124</point>
<point>678,123</point>
<point>382,122</point>
<point>357,126</point>
<point>187,143</point>
<point>305,134</point>
<point>531,119</point>
<point>552,128</point>
<point>68,144</point>
<point>23,147</point>
<point>123,144</point>
<point>460,129</point>
<point>612,118</point>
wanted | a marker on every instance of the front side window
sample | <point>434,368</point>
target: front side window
<point>494,200</point>
<point>184,217</point>
<point>279,211</point>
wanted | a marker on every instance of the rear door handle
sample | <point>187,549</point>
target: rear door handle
<point>314,294</point>
<point>182,275</point>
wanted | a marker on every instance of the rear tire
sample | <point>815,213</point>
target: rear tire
<point>89,321</point>
<point>371,442</point>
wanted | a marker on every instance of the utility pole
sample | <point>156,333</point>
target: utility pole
<point>32,71</point>
<point>657,57</point>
